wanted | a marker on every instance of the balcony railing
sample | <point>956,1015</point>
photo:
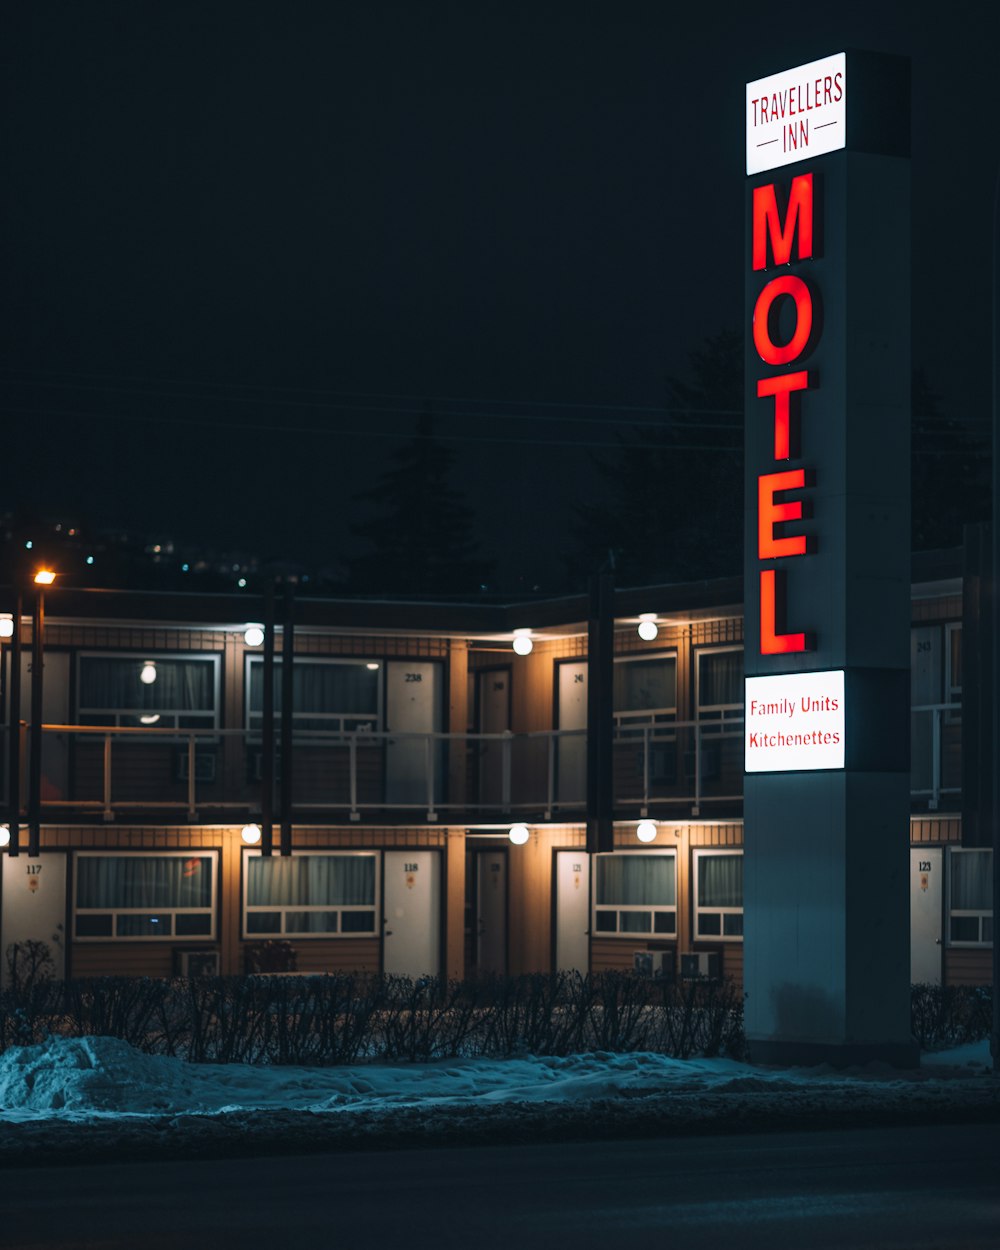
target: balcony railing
<point>662,767</point>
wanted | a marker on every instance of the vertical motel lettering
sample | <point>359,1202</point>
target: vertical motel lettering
<point>780,493</point>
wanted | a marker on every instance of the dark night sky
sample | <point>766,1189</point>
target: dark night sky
<point>242,243</point>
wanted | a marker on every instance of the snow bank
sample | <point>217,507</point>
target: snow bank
<point>96,1077</point>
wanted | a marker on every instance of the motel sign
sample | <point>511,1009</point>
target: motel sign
<point>826,561</point>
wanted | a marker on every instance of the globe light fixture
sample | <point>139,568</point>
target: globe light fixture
<point>648,629</point>
<point>147,674</point>
<point>4,835</point>
<point>250,834</point>
<point>646,831</point>
<point>522,643</point>
<point>519,834</point>
<point>253,635</point>
<point>6,627</point>
<point>372,666</point>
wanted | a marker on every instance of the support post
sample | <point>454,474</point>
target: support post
<point>600,710</point>
<point>287,708</point>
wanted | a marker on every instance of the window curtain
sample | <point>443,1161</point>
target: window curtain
<point>151,881</point>
<point>113,682</point>
<point>311,880</point>
<point>645,685</point>
<point>636,880</point>
<point>332,688</point>
<point>720,881</point>
<point>972,880</point>
<point>720,678</point>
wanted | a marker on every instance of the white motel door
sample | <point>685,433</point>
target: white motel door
<point>573,911</point>
<point>412,706</point>
<point>33,903</point>
<point>494,718</point>
<point>926,914</point>
<point>411,911</point>
<point>571,772</point>
<point>491,911</point>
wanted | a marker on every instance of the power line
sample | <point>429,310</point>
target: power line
<point>132,418</point>
<point>659,409</point>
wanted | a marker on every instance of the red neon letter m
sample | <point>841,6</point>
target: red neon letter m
<point>767,225</point>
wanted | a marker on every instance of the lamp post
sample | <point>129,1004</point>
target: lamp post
<point>43,578</point>
<point>14,730</point>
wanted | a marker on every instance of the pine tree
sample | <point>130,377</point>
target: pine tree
<point>672,509</point>
<point>420,538</point>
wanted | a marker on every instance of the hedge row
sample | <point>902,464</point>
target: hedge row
<point>356,1019</point>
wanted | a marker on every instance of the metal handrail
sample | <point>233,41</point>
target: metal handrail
<point>724,723</point>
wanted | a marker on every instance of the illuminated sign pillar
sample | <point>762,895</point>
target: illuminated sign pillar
<point>826,958</point>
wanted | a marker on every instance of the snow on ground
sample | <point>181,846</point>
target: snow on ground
<point>94,1078</point>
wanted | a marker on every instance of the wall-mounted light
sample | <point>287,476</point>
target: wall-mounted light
<point>522,643</point>
<point>250,834</point>
<point>4,835</point>
<point>44,577</point>
<point>645,831</point>
<point>519,834</point>
<point>648,628</point>
<point>253,635</point>
<point>150,718</point>
<point>147,674</point>
<point>373,666</point>
<point>6,626</point>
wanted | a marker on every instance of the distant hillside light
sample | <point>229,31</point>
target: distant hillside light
<point>147,674</point>
<point>6,626</point>
<point>250,834</point>
<point>648,628</point>
<point>646,831</point>
<point>522,643</point>
<point>519,834</point>
<point>253,636</point>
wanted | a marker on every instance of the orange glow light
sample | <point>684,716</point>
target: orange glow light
<point>44,577</point>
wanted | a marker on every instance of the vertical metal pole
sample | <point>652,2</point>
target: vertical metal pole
<point>109,813</point>
<point>994,615</point>
<point>600,711</point>
<point>267,729</point>
<point>287,741</point>
<point>35,757</point>
<point>14,741</point>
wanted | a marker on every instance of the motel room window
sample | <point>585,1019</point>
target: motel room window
<point>144,896</point>
<point>970,897</point>
<point>148,690</point>
<point>318,894</point>
<point>636,893</point>
<point>718,895</point>
<point>953,671</point>
<point>333,695</point>
<point>720,683</point>
<point>645,693</point>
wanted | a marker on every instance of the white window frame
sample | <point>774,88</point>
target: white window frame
<point>981,914</point>
<point>339,722</point>
<point>698,911</point>
<point>617,908</point>
<point>952,689</point>
<point>296,935</point>
<point>726,713</point>
<point>114,912</point>
<point>167,719</point>
<point>632,723</point>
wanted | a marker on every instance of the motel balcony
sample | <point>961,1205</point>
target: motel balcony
<point>663,767</point>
